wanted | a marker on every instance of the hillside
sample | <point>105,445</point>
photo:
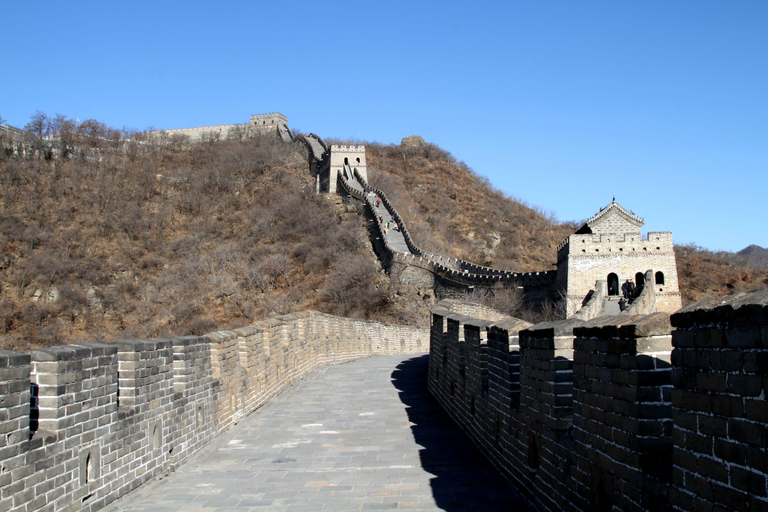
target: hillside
<point>451,210</point>
<point>755,256</point>
<point>159,239</point>
<point>703,273</point>
<point>136,238</point>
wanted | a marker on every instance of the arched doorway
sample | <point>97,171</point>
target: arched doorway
<point>659,277</point>
<point>613,284</point>
<point>640,282</point>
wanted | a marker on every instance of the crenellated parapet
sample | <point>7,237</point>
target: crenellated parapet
<point>619,413</point>
<point>272,123</point>
<point>85,424</point>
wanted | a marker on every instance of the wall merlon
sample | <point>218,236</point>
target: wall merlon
<point>175,395</point>
<point>603,424</point>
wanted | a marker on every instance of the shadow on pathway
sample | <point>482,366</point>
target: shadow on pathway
<point>464,479</point>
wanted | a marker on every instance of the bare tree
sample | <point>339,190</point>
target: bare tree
<point>39,125</point>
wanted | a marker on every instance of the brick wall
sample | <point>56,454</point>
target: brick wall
<point>721,380</point>
<point>85,424</point>
<point>605,415</point>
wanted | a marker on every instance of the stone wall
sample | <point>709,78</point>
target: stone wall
<point>606,415</point>
<point>83,425</point>
<point>259,124</point>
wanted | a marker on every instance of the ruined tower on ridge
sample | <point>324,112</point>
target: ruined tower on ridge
<point>609,252</point>
<point>259,124</point>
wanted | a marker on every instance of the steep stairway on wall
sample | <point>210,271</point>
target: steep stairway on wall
<point>285,133</point>
<point>611,306</point>
<point>382,211</point>
<point>318,150</point>
<point>401,246</point>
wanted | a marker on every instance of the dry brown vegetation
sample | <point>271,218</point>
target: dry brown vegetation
<point>453,211</point>
<point>702,273</point>
<point>146,240</point>
<point>117,237</point>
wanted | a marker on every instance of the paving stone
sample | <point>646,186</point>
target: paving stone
<point>340,440</point>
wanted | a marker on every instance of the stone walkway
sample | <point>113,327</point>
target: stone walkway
<point>359,436</point>
<point>395,237</point>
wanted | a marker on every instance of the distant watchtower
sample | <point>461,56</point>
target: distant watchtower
<point>340,156</point>
<point>609,248</point>
<point>266,123</point>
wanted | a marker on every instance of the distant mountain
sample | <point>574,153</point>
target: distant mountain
<point>755,256</point>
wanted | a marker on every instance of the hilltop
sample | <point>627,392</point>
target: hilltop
<point>144,237</point>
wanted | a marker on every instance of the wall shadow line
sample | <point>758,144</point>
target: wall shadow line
<point>464,479</point>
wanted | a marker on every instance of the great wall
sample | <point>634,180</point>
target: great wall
<point>640,410</point>
<point>616,414</point>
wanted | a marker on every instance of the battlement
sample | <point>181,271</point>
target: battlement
<point>219,127</point>
<point>587,415</point>
<point>343,148</point>
<point>623,242</point>
<point>259,123</point>
<point>272,118</point>
<point>85,424</point>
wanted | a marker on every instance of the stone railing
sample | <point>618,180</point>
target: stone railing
<point>595,302</point>
<point>84,424</point>
<point>622,413</point>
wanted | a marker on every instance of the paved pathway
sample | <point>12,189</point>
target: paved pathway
<point>317,148</point>
<point>359,436</point>
<point>395,237</point>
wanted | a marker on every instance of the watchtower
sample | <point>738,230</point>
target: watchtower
<point>266,123</point>
<point>343,155</point>
<point>610,248</point>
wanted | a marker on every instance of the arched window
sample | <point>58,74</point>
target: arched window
<point>346,161</point>
<point>659,277</point>
<point>639,279</point>
<point>613,284</point>
<point>358,160</point>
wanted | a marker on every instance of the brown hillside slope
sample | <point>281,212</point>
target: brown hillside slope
<point>173,239</point>
<point>135,239</point>
<point>451,210</point>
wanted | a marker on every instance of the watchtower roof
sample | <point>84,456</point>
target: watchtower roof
<point>614,218</point>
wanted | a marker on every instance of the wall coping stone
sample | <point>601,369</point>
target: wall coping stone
<point>552,329</point>
<point>512,325</point>
<point>220,336</point>
<point>750,308</point>
<point>458,317</point>
<point>266,324</point>
<point>183,341</point>
<point>10,358</point>
<point>655,324</point>
<point>480,324</point>
<point>143,345</point>
<point>619,326</point>
<point>61,353</point>
<point>247,331</point>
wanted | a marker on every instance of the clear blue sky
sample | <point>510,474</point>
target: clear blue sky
<point>662,104</point>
